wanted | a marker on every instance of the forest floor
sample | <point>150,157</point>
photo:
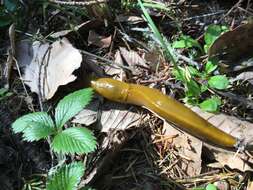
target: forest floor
<point>116,41</point>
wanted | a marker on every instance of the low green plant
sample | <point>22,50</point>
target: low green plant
<point>205,79</point>
<point>196,81</point>
<point>64,140</point>
<point>212,32</point>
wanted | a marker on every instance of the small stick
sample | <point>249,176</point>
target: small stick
<point>11,54</point>
<point>78,3</point>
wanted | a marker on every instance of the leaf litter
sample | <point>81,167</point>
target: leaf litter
<point>178,156</point>
<point>51,66</point>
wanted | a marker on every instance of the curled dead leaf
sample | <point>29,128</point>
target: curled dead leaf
<point>188,147</point>
<point>51,66</point>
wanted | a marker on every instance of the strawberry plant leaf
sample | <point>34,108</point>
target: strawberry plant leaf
<point>34,126</point>
<point>72,104</point>
<point>73,140</point>
<point>67,177</point>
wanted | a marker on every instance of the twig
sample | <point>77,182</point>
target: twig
<point>232,9</point>
<point>10,59</point>
<point>78,3</point>
<point>112,63</point>
<point>187,59</point>
<point>22,81</point>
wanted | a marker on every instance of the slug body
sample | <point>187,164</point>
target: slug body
<point>165,106</point>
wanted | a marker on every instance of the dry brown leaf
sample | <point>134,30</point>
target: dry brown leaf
<point>112,116</point>
<point>129,19</point>
<point>116,116</point>
<point>241,129</point>
<point>153,58</point>
<point>234,160</point>
<point>88,115</point>
<point>233,47</point>
<point>116,70</point>
<point>229,124</point>
<point>133,59</point>
<point>99,41</point>
<point>245,76</point>
<point>51,66</point>
<point>188,147</point>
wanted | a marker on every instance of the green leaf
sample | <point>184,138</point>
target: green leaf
<point>203,88</point>
<point>179,74</point>
<point>213,32</point>
<point>67,177</point>
<point>71,104</point>
<point>210,66</point>
<point>74,140</point>
<point>193,89</point>
<point>193,71</point>
<point>219,82</point>
<point>34,126</point>
<point>211,104</point>
<point>211,187</point>
<point>186,42</point>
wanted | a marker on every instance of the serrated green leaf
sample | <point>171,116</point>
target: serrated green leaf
<point>211,104</point>
<point>34,126</point>
<point>72,104</point>
<point>219,82</point>
<point>78,140</point>
<point>67,177</point>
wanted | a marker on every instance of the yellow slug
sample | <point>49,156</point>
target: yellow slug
<point>165,106</point>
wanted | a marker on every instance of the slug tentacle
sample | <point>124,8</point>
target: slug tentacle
<point>164,106</point>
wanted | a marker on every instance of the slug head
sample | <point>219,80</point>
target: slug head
<point>111,89</point>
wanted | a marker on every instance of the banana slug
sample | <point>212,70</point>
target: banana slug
<point>166,107</point>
